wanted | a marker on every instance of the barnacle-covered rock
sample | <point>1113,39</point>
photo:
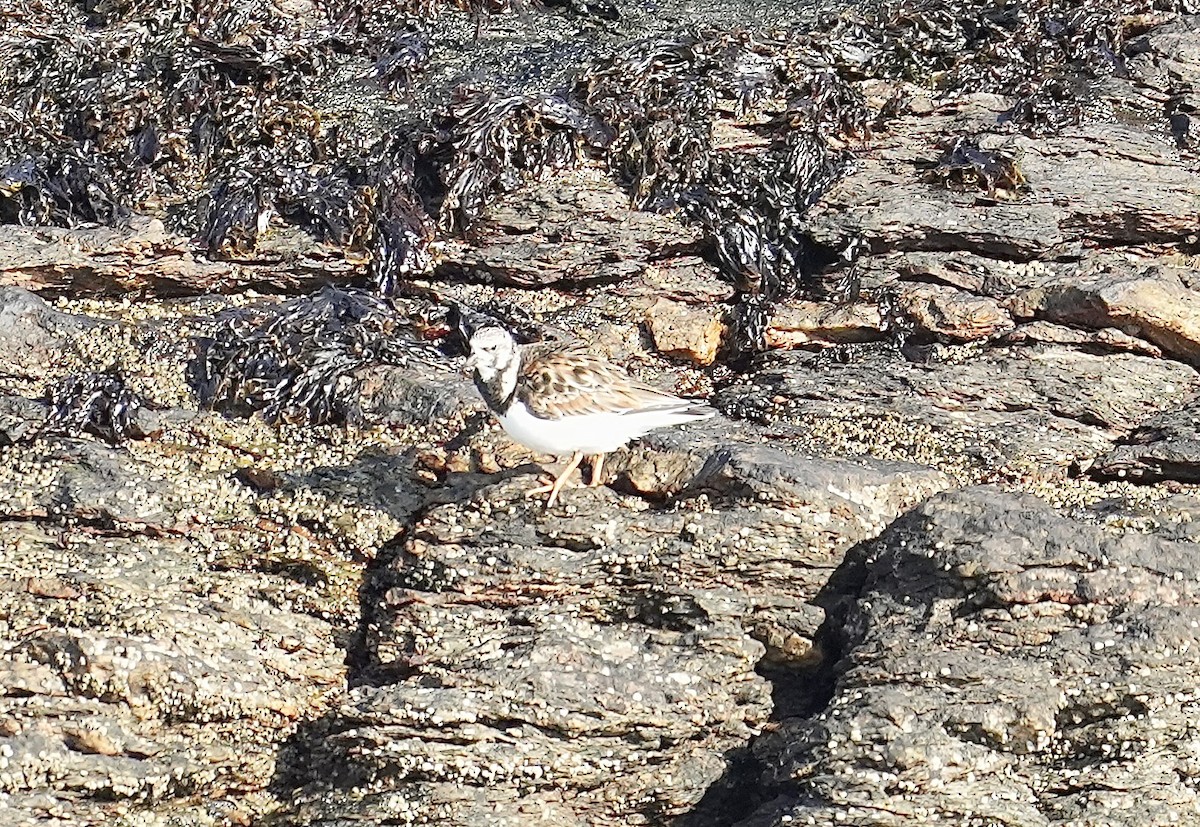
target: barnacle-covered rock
<point>236,607</point>
<point>1003,663</point>
<point>1165,447</point>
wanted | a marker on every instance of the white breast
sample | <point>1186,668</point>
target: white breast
<point>596,433</point>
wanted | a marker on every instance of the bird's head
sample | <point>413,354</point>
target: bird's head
<point>493,350</point>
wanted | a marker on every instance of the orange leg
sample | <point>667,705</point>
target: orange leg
<point>555,487</point>
<point>597,471</point>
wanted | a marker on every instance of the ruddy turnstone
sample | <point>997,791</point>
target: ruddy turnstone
<point>559,399</point>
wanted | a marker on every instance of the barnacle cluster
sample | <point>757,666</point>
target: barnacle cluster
<point>294,362</point>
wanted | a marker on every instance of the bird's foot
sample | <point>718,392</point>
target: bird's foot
<point>559,482</point>
<point>541,489</point>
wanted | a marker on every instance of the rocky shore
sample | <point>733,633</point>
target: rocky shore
<point>265,560</point>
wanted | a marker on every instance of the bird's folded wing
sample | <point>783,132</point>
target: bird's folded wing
<point>557,383</point>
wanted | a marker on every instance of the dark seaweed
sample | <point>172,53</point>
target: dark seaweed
<point>64,188</point>
<point>490,143</point>
<point>662,98</point>
<point>365,208</point>
<point>598,9</point>
<point>95,403</point>
<point>295,362</point>
<point>405,56</point>
<point>237,213</point>
<point>211,114</point>
<point>334,204</point>
<point>1179,109</point>
<point>964,166</point>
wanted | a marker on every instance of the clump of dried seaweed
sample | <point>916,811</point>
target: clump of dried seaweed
<point>99,403</point>
<point>490,143</point>
<point>239,209</point>
<point>403,235</point>
<point>295,362</point>
<point>403,58</point>
<point>662,96</point>
<point>64,186</point>
<point>965,166</point>
<point>753,208</point>
<point>134,105</point>
<point>595,9</point>
<point>1043,54</point>
<point>365,205</point>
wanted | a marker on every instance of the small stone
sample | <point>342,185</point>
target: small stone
<point>685,331</point>
<point>953,313</point>
<point>799,323</point>
<point>92,742</point>
<point>1153,305</point>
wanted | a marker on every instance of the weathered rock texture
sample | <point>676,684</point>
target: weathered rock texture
<point>1045,676</point>
<point>808,610</point>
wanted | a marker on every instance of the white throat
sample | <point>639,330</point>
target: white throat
<point>499,381</point>
<point>508,375</point>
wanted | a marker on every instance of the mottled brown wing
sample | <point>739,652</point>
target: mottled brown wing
<point>559,381</point>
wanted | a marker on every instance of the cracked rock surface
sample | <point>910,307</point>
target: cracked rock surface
<point>1045,678</point>
<point>935,561</point>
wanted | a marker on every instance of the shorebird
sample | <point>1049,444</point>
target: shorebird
<point>557,398</point>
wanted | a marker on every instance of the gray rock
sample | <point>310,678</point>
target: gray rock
<point>1102,340</point>
<point>410,395</point>
<point>1001,664</point>
<point>886,201</point>
<point>1165,447</point>
<point>111,260</point>
<point>133,669</point>
<point>20,418</point>
<point>32,333</point>
<point>601,654</point>
<point>1040,406</point>
<point>951,314</point>
<point>558,232</point>
<point>1153,305</point>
